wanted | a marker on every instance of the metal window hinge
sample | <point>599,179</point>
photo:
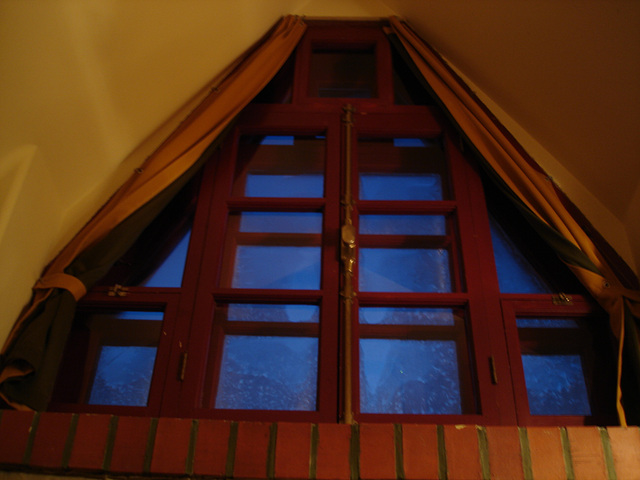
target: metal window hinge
<point>562,299</point>
<point>118,291</point>
<point>182,368</point>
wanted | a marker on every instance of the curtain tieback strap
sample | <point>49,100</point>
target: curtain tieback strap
<point>62,280</point>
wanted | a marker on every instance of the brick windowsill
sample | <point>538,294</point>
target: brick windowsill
<point>76,444</point>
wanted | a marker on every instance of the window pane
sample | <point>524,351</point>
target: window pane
<point>244,312</point>
<point>283,185</point>
<point>402,169</point>
<point>342,73</point>
<point>409,376</point>
<point>280,166</point>
<point>515,272</point>
<point>389,186</point>
<point>556,385</point>
<point>402,225</point>
<point>268,373</point>
<point>273,250</point>
<point>157,257</point>
<point>546,323</point>
<point>404,270</point>
<point>554,352</point>
<point>109,358</point>
<point>277,267</point>
<point>169,272</point>
<point>281,222</point>
<point>407,316</point>
<point>123,376</point>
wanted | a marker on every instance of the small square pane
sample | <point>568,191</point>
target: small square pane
<point>280,222</point>
<point>277,267</point>
<point>245,312</point>
<point>402,169</point>
<point>554,351</point>
<point>395,186</point>
<point>110,357</point>
<point>123,376</point>
<point>346,73</point>
<point>556,384</point>
<point>408,316</point>
<point>409,377</point>
<point>404,270</point>
<point>282,166</point>
<point>403,225</point>
<point>268,373</point>
<point>273,250</point>
<point>546,323</point>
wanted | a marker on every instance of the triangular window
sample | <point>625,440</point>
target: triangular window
<point>340,267</point>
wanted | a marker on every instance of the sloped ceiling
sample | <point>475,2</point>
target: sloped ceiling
<point>83,83</point>
<point>566,71</point>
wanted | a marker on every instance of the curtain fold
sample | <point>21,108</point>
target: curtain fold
<point>534,190</point>
<point>33,349</point>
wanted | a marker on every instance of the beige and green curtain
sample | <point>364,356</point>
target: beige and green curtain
<point>537,196</point>
<point>33,350</point>
<point>32,353</point>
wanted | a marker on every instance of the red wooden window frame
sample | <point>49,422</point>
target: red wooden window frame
<point>191,333</point>
<point>589,341</point>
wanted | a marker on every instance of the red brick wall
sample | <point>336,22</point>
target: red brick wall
<point>90,444</point>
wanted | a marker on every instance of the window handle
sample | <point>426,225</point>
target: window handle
<point>494,372</point>
<point>182,370</point>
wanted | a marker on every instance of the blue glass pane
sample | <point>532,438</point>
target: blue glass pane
<point>296,186</point>
<point>277,140</point>
<point>407,316</point>
<point>268,373</point>
<point>402,169</point>
<point>411,142</point>
<point>546,323</point>
<point>281,222</point>
<point>169,272</point>
<point>414,186</point>
<point>244,312</point>
<point>102,318</point>
<point>280,166</point>
<point>515,272</point>
<point>123,376</point>
<point>404,270</point>
<point>258,266</point>
<point>409,376</point>
<point>402,225</point>
<point>555,385</point>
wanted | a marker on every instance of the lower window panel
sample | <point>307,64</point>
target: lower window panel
<point>555,384</point>
<point>564,362</point>
<point>110,358</point>
<point>410,377</point>
<point>268,373</point>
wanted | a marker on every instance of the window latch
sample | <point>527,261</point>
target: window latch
<point>118,291</point>
<point>562,299</point>
<point>494,372</point>
<point>182,370</point>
